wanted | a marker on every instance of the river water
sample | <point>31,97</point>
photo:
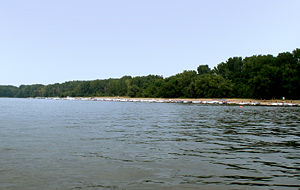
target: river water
<point>61,144</point>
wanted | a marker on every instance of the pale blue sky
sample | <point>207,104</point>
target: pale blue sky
<point>49,41</point>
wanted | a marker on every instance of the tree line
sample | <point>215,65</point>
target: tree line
<point>258,76</point>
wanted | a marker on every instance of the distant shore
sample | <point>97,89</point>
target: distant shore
<point>227,101</point>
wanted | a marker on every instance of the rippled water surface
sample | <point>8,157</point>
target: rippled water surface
<point>57,144</point>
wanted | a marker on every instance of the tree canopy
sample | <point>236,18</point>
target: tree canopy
<point>257,76</point>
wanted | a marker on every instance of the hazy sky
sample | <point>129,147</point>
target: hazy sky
<point>49,41</point>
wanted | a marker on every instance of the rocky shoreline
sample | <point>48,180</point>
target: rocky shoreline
<point>238,102</point>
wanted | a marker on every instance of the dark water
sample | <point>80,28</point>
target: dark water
<point>56,144</point>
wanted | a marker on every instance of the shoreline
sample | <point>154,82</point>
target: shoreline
<point>223,101</point>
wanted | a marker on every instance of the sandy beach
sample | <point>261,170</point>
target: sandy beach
<point>230,101</point>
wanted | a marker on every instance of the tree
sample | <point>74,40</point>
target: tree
<point>203,69</point>
<point>212,86</point>
<point>8,91</point>
<point>133,91</point>
<point>259,76</point>
<point>231,69</point>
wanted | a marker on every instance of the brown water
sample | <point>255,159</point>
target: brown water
<point>57,144</point>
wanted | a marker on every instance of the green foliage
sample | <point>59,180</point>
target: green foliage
<point>212,86</point>
<point>178,85</point>
<point>231,69</point>
<point>8,91</point>
<point>203,69</point>
<point>259,76</point>
<point>133,91</point>
<point>30,90</point>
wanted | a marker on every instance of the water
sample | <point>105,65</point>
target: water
<point>57,144</point>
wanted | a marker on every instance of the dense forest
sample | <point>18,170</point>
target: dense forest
<point>258,76</point>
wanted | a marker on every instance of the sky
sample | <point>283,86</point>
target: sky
<point>53,41</point>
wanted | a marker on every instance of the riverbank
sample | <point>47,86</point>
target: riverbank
<point>231,101</point>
